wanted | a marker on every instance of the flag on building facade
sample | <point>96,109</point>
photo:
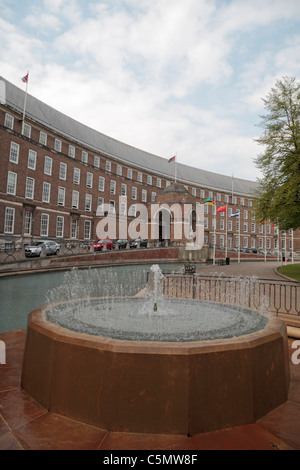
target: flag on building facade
<point>172,159</point>
<point>25,78</point>
<point>209,201</point>
<point>235,214</point>
<point>222,209</point>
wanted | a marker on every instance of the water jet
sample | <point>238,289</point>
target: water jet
<point>155,365</point>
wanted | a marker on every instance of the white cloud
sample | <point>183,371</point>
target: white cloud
<point>162,75</point>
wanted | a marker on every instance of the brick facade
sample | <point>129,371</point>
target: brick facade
<point>51,186</point>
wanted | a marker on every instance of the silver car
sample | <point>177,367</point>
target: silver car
<point>35,248</point>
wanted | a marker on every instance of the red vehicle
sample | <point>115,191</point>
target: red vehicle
<point>99,245</point>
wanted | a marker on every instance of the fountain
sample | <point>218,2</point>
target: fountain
<point>152,364</point>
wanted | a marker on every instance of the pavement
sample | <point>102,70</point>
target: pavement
<point>260,269</point>
<point>26,425</point>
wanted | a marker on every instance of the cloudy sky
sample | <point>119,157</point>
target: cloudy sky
<point>183,77</point>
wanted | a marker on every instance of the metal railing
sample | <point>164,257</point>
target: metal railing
<point>279,297</point>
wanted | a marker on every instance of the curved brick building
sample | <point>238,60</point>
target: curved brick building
<point>56,173</point>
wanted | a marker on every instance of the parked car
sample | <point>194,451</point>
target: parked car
<point>99,244</point>
<point>121,243</point>
<point>35,248</point>
<point>141,241</point>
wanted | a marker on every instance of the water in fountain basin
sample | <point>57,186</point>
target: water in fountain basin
<point>153,318</point>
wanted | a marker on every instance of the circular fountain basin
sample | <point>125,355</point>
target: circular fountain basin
<point>187,381</point>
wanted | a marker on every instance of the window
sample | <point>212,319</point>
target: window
<point>61,196</point>
<point>144,195</point>
<point>74,225</point>
<point>31,160</point>
<point>76,176</point>
<point>84,156</point>
<point>97,161</point>
<point>112,187</point>
<point>133,193</point>
<point>124,190</point>
<point>119,170</point>
<point>88,202</point>
<point>9,121</point>
<point>87,229</point>
<point>62,171</point>
<point>27,223</point>
<point>59,226</point>
<point>100,205</point>
<point>253,228</point>
<point>194,191</point>
<point>101,183</point>
<point>75,199</point>
<point>46,192</point>
<point>26,130</point>
<point>48,166</point>
<point>11,183</point>
<point>129,173</point>
<point>108,166</point>
<point>202,193</point>
<point>71,152</point>
<point>29,190</point>
<point>158,182</point>
<point>9,221</point>
<point>245,214</point>
<point>43,138</point>
<point>44,225</point>
<point>149,179</point>
<point>132,211</point>
<point>153,196</point>
<point>112,207</point>
<point>89,180</point>
<point>140,177</point>
<point>14,152</point>
<point>123,208</point>
<point>57,145</point>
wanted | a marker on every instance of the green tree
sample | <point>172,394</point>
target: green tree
<point>278,195</point>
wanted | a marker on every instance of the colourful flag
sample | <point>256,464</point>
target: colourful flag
<point>261,222</point>
<point>209,201</point>
<point>222,209</point>
<point>25,78</point>
<point>172,159</point>
<point>236,214</point>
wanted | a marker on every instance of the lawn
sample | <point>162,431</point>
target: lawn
<point>291,270</point>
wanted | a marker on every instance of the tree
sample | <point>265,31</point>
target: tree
<point>278,195</point>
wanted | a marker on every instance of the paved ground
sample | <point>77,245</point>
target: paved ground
<point>261,269</point>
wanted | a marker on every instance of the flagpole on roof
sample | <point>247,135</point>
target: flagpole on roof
<point>25,80</point>
<point>176,167</point>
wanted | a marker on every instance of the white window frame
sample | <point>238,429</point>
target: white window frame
<point>29,188</point>
<point>60,222</point>
<point>9,220</point>
<point>63,171</point>
<point>32,155</point>
<point>46,192</point>
<point>44,225</point>
<point>11,183</point>
<point>48,166</point>
<point>14,153</point>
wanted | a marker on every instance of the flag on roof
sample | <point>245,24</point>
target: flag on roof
<point>235,214</point>
<point>25,78</point>
<point>222,209</point>
<point>172,159</point>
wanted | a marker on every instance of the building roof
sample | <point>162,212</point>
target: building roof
<point>58,122</point>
